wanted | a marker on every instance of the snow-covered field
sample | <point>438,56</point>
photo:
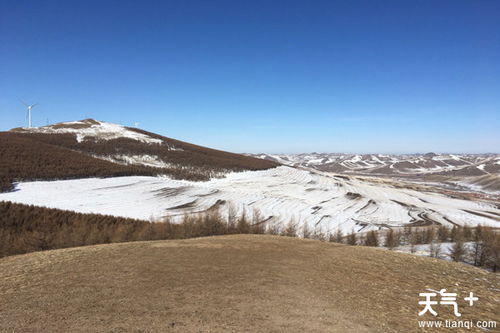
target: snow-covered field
<point>321,200</point>
<point>424,250</point>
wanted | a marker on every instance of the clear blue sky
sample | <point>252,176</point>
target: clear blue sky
<point>262,76</point>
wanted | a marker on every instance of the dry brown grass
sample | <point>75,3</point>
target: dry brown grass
<point>237,283</point>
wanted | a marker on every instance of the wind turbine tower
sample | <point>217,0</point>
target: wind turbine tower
<point>29,107</point>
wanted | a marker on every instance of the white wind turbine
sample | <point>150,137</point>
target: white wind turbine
<point>29,107</point>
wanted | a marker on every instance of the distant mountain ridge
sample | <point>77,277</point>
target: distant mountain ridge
<point>393,165</point>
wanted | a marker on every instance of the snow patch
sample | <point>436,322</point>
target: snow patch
<point>96,129</point>
<point>146,160</point>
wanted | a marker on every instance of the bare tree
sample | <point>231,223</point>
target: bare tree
<point>454,232</point>
<point>242,226</point>
<point>339,237</point>
<point>290,230</point>
<point>391,239</point>
<point>413,242</point>
<point>443,233</point>
<point>306,233</point>
<point>371,238</point>
<point>492,249</point>
<point>351,238</point>
<point>231,219</point>
<point>318,234</point>
<point>435,249</point>
<point>430,235</point>
<point>273,229</point>
<point>467,234</point>
<point>458,249</point>
<point>258,224</point>
<point>477,254</point>
<point>407,234</point>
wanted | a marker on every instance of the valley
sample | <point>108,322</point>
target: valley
<point>145,176</point>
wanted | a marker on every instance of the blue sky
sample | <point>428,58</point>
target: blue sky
<point>262,76</point>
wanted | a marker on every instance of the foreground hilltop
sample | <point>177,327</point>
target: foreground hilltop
<point>90,148</point>
<point>233,283</point>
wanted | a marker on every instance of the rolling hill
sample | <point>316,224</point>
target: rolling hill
<point>234,283</point>
<point>90,148</point>
<point>393,165</point>
<point>466,173</point>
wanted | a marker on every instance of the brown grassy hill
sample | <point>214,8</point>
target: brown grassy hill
<point>487,182</point>
<point>466,172</point>
<point>24,158</point>
<point>47,153</point>
<point>238,283</point>
<point>192,154</point>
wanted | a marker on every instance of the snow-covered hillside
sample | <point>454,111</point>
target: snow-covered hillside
<point>66,150</point>
<point>398,165</point>
<point>92,129</point>
<point>281,194</point>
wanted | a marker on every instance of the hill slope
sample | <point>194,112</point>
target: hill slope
<point>231,283</point>
<point>323,202</point>
<point>24,158</point>
<point>90,148</point>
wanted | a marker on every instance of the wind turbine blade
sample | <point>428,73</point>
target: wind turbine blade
<point>25,104</point>
<point>33,105</point>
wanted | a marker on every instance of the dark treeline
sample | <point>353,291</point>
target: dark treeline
<point>59,156</point>
<point>25,159</point>
<point>25,228</point>
<point>478,245</point>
